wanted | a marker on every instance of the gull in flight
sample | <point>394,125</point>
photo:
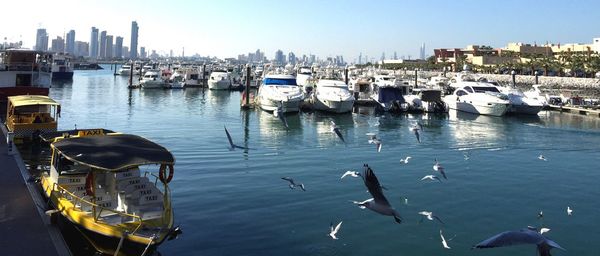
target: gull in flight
<point>293,184</point>
<point>541,157</point>
<point>378,203</point>
<point>279,113</point>
<point>467,155</point>
<point>334,230</point>
<point>444,242</point>
<point>415,129</point>
<point>569,210</point>
<point>431,177</point>
<point>439,168</point>
<point>405,160</point>
<point>429,216</point>
<point>336,130</point>
<point>544,230</point>
<point>540,215</point>
<point>231,145</point>
<point>354,174</point>
<point>374,140</point>
<point>524,236</point>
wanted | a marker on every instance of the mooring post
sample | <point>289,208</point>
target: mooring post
<point>536,77</point>
<point>514,77</point>
<point>416,77</point>
<point>131,75</point>
<point>203,75</point>
<point>248,85</point>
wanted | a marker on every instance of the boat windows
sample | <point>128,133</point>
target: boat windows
<point>485,89</point>
<point>280,81</point>
<point>461,93</point>
<point>468,89</point>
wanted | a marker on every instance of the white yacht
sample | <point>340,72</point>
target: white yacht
<point>219,80</point>
<point>177,80</point>
<point>387,92</point>
<point>125,70</point>
<point>520,103</point>
<point>332,96</point>
<point>477,97</point>
<point>152,79</point>
<point>278,90</point>
<point>304,77</point>
<point>62,68</point>
<point>427,100</point>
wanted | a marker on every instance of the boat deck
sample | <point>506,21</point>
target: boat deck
<point>25,227</point>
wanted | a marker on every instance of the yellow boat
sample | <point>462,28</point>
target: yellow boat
<point>96,182</point>
<point>28,116</point>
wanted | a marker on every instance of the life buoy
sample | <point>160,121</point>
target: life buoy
<point>89,184</point>
<point>161,173</point>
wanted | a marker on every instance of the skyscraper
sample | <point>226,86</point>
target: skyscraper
<point>422,52</point>
<point>102,43</point>
<point>58,45</point>
<point>109,47</point>
<point>82,48</point>
<point>292,58</point>
<point>70,48</point>
<point>119,47</point>
<point>94,43</point>
<point>279,58</point>
<point>134,40</point>
<point>41,40</point>
<point>143,52</point>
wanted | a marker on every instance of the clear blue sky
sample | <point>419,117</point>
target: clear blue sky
<point>226,28</point>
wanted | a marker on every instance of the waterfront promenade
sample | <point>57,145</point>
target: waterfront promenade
<point>25,228</point>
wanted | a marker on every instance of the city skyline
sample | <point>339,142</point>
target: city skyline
<point>348,28</point>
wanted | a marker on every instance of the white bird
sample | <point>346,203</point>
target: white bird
<point>354,174</point>
<point>544,230</point>
<point>431,177</point>
<point>293,184</point>
<point>467,155</point>
<point>378,203</point>
<point>444,243</point>
<point>439,168</point>
<point>280,113</point>
<point>374,140</point>
<point>337,131</point>
<point>333,230</point>
<point>541,157</point>
<point>429,216</point>
<point>405,160</point>
<point>569,210</point>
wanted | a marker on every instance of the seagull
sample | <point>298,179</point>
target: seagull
<point>444,242</point>
<point>374,140</point>
<point>429,216</point>
<point>354,174</point>
<point>334,231</point>
<point>569,210</point>
<point>231,145</point>
<point>279,113</point>
<point>524,236</point>
<point>540,215</point>
<point>405,160</point>
<point>415,129</point>
<point>335,129</point>
<point>420,125</point>
<point>544,230</point>
<point>541,157</point>
<point>431,177</point>
<point>378,203</point>
<point>438,168</point>
<point>467,155</point>
<point>294,184</point>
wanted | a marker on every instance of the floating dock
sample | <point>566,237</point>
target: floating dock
<point>577,110</point>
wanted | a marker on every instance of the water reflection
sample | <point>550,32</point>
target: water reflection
<point>473,131</point>
<point>273,131</point>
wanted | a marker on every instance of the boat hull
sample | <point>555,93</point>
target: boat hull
<point>271,105</point>
<point>495,109</point>
<point>219,85</point>
<point>333,105</point>
<point>524,109</point>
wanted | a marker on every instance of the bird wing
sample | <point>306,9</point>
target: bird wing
<point>426,177</point>
<point>346,174</point>
<point>289,179</point>
<point>283,120</point>
<point>374,187</point>
<point>378,146</point>
<point>418,137</point>
<point>337,227</point>
<point>509,238</point>
<point>339,134</point>
<point>229,138</point>
<point>554,244</point>
<point>438,218</point>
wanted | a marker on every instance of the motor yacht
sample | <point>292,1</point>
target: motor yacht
<point>279,90</point>
<point>520,103</point>
<point>387,92</point>
<point>476,96</point>
<point>219,80</point>
<point>332,96</point>
<point>153,79</point>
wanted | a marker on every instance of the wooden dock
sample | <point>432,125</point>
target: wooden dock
<point>25,227</point>
<point>576,110</point>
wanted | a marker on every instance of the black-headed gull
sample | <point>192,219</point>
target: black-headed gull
<point>569,210</point>
<point>337,131</point>
<point>415,130</point>
<point>444,242</point>
<point>378,203</point>
<point>231,145</point>
<point>541,157</point>
<point>374,140</point>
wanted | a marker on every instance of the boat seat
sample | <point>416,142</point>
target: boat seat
<point>68,180</point>
<point>129,173</point>
<point>128,185</point>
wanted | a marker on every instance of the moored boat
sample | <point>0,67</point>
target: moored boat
<point>28,116</point>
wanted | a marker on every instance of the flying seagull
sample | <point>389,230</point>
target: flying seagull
<point>378,203</point>
<point>467,155</point>
<point>540,215</point>
<point>279,113</point>
<point>354,174</point>
<point>405,160</point>
<point>293,184</point>
<point>415,129</point>
<point>429,216</point>
<point>333,230</point>
<point>374,140</point>
<point>544,230</point>
<point>569,210</point>
<point>524,236</point>
<point>444,242</point>
<point>231,145</point>
<point>431,177</point>
<point>335,129</point>
<point>439,168</point>
<point>541,157</point>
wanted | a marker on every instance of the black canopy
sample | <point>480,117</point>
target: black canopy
<point>113,152</point>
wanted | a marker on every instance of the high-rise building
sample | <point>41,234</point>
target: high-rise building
<point>93,52</point>
<point>109,47</point>
<point>279,58</point>
<point>395,56</point>
<point>360,59</point>
<point>119,47</point>
<point>41,40</point>
<point>102,45</point>
<point>143,52</point>
<point>58,45</point>
<point>125,51</point>
<point>134,40</point>
<point>422,52</point>
<point>70,44</point>
<point>292,58</point>
<point>81,48</point>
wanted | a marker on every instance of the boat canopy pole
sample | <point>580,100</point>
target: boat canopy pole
<point>120,243</point>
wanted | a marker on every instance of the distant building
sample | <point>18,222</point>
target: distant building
<point>475,54</point>
<point>41,40</point>
<point>279,58</point>
<point>125,51</point>
<point>58,45</point>
<point>109,47</point>
<point>134,40</point>
<point>422,52</point>
<point>81,48</point>
<point>292,58</point>
<point>102,45</point>
<point>143,52</point>
<point>93,50</point>
<point>70,43</point>
<point>119,47</point>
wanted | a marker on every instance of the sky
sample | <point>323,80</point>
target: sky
<point>226,28</point>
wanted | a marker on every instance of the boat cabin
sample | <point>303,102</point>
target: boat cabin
<point>31,115</point>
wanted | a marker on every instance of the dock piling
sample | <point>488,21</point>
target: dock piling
<point>131,75</point>
<point>247,85</point>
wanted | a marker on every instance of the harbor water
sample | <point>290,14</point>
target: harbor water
<point>234,202</point>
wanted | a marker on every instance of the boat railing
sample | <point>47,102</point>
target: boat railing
<point>25,66</point>
<point>166,196</point>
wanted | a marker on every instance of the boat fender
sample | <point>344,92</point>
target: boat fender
<point>89,184</point>
<point>161,173</point>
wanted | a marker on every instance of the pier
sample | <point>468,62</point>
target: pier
<point>578,110</point>
<point>26,228</point>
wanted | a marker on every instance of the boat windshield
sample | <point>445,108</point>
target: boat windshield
<point>280,81</point>
<point>485,89</point>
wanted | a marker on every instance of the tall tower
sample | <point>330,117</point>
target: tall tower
<point>70,48</point>
<point>102,43</point>
<point>134,40</point>
<point>109,47</point>
<point>119,47</point>
<point>41,40</point>
<point>422,53</point>
<point>94,43</point>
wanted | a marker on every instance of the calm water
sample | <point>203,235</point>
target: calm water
<point>234,202</point>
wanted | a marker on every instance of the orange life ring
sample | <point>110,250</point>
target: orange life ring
<point>89,184</point>
<point>161,173</point>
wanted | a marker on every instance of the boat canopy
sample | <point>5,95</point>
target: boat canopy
<point>113,152</point>
<point>280,81</point>
<point>30,100</point>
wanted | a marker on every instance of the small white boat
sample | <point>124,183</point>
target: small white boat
<point>520,103</point>
<point>279,90</point>
<point>152,79</point>
<point>332,96</point>
<point>478,98</point>
<point>219,80</point>
<point>177,80</point>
